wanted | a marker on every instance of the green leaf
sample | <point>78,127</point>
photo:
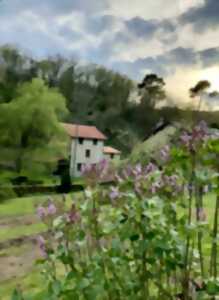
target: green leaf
<point>17,295</point>
<point>213,287</point>
<point>84,283</point>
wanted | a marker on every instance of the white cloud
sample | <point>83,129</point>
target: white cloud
<point>147,9</point>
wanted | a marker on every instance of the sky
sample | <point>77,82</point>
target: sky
<point>176,39</point>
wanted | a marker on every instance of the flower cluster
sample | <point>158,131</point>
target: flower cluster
<point>50,210</point>
<point>94,173</point>
<point>165,153</point>
<point>73,215</point>
<point>148,179</point>
<point>192,140</point>
<point>42,246</point>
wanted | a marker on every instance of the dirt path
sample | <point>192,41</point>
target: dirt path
<point>18,262</point>
<point>21,220</point>
<point>13,266</point>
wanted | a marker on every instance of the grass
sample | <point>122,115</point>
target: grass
<point>30,282</point>
<point>23,230</point>
<point>27,205</point>
<point>153,145</point>
<point>15,250</point>
<point>20,206</point>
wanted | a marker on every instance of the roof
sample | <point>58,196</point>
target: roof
<point>84,131</point>
<point>110,150</point>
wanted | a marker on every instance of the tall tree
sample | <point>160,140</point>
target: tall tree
<point>152,91</point>
<point>198,90</point>
<point>30,132</point>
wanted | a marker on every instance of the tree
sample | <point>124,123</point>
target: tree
<point>31,136</point>
<point>198,90</point>
<point>152,92</point>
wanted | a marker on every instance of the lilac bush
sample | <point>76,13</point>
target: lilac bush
<point>142,237</point>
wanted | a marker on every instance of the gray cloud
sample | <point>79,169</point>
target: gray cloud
<point>69,34</point>
<point>99,24</point>
<point>169,62</point>
<point>209,57</point>
<point>142,28</point>
<point>202,17</point>
<point>52,7</point>
<point>99,37</point>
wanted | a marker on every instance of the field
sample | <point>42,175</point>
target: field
<point>19,227</point>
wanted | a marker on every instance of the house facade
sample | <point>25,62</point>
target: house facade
<point>86,147</point>
<point>111,154</point>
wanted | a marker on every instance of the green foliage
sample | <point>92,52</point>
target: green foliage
<point>30,129</point>
<point>139,239</point>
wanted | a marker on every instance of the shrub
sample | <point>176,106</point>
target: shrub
<point>129,241</point>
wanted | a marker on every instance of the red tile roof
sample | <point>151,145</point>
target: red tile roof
<point>84,131</point>
<point>110,150</point>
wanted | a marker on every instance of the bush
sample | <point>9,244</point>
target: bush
<point>7,192</point>
<point>129,241</point>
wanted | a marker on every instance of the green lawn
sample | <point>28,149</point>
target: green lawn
<point>30,282</point>
<point>28,205</point>
<point>20,206</point>
<point>22,230</point>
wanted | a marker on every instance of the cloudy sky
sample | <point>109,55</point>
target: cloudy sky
<point>177,39</point>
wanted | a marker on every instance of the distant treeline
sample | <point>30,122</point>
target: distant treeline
<point>96,96</point>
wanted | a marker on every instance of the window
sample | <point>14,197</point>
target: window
<point>79,167</point>
<point>81,140</point>
<point>87,153</point>
<point>95,141</point>
<point>111,156</point>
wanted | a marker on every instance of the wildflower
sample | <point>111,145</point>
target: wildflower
<point>73,216</point>
<point>165,153</point>
<point>137,170</point>
<point>185,139</point>
<point>41,212</point>
<point>51,209</point>
<point>114,194</point>
<point>42,245</point>
<point>151,167</point>
<point>154,187</point>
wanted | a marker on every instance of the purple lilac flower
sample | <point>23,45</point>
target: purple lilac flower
<point>137,170</point>
<point>102,166</point>
<point>165,153</point>
<point>51,209</point>
<point>85,168</point>
<point>41,212</point>
<point>151,167</point>
<point>42,245</point>
<point>127,172</point>
<point>114,193</point>
<point>185,139</point>
<point>73,216</point>
<point>155,187</point>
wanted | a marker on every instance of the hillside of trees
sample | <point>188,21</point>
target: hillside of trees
<point>119,107</point>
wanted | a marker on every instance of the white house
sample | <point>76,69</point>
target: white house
<point>87,146</point>
<point>111,153</point>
